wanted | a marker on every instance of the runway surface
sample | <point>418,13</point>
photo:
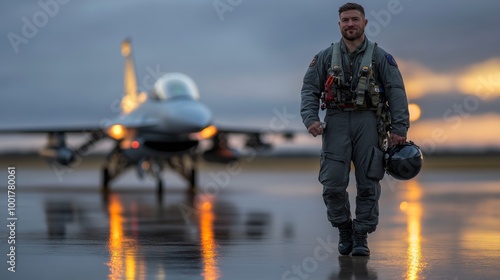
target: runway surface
<point>261,220</point>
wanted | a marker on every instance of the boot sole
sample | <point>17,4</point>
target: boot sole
<point>363,252</point>
<point>345,253</point>
<point>360,253</point>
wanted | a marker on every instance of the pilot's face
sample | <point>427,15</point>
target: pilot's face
<point>352,24</point>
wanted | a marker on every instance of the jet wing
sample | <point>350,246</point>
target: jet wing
<point>286,133</point>
<point>76,128</point>
<point>254,135</point>
<point>51,129</point>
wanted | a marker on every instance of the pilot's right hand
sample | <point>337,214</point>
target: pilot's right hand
<point>315,128</point>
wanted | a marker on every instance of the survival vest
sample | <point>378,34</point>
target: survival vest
<point>337,95</point>
<point>368,94</point>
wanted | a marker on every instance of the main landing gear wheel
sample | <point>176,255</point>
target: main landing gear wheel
<point>159,187</point>
<point>192,179</point>
<point>105,180</point>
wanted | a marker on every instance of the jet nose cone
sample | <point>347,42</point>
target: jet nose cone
<point>186,116</point>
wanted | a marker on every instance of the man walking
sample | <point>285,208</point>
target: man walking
<point>359,84</point>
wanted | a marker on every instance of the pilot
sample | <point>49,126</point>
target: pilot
<point>361,88</point>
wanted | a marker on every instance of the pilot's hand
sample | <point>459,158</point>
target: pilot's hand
<point>315,128</point>
<point>396,139</point>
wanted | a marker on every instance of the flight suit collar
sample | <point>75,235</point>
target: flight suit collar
<point>361,48</point>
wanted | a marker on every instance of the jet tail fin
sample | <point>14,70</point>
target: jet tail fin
<point>132,98</point>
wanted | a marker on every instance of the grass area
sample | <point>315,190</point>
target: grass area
<point>462,162</point>
<point>447,162</point>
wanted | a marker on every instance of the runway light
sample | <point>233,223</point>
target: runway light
<point>206,133</point>
<point>117,132</point>
<point>135,144</point>
<point>206,206</point>
<point>415,112</point>
<point>403,206</point>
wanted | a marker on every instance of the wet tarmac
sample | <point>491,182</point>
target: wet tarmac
<point>257,223</point>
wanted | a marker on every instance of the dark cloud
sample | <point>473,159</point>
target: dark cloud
<point>246,64</point>
<point>441,106</point>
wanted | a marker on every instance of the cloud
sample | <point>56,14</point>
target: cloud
<point>456,131</point>
<point>482,79</point>
<point>420,80</point>
<point>435,105</point>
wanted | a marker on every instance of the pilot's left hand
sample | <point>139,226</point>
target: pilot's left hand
<point>397,139</point>
<point>315,129</point>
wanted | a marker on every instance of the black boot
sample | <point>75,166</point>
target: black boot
<point>360,244</point>
<point>345,238</point>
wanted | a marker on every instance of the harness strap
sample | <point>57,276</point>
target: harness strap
<point>336,67</point>
<point>368,56</point>
<point>365,73</point>
<point>334,95</point>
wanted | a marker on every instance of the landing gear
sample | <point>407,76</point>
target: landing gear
<point>105,180</point>
<point>186,167</point>
<point>115,165</point>
<point>192,179</point>
<point>159,187</point>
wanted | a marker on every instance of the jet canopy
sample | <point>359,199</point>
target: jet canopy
<point>175,85</point>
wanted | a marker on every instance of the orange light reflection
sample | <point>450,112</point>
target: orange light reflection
<point>413,209</point>
<point>208,244</point>
<point>481,235</point>
<point>123,261</point>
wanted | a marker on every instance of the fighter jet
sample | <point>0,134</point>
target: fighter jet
<point>154,130</point>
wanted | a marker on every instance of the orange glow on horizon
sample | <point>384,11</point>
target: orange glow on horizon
<point>420,80</point>
<point>456,131</point>
<point>208,244</point>
<point>480,79</point>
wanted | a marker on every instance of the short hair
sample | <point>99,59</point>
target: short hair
<point>351,6</point>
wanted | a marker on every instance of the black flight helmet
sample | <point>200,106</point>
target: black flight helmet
<point>403,162</point>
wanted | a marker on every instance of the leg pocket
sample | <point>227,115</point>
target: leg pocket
<point>333,170</point>
<point>375,164</point>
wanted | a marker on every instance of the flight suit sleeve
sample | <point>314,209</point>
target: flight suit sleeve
<point>312,87</point>
<point>392,81</point>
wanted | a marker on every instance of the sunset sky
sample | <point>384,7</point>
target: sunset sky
<point>60,60</point>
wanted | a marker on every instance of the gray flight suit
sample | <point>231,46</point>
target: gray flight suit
<point>352,135</point>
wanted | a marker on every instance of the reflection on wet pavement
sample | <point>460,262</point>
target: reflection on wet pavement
<point>352,267</point>
<point>208,244</point>
<point>124,262</point>
<point>413,209</point>
<point>263,226</point>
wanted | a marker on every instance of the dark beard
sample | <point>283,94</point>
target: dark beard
<point>354,37</point>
